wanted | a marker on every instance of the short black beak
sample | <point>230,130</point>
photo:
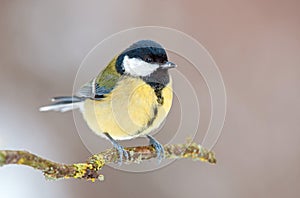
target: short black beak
<point>168,65</point>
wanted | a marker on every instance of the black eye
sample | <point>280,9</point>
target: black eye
<point>148,59</point>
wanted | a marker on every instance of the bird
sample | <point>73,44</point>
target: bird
<point>130,97</point>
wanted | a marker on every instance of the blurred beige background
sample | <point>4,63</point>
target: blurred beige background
<point>256,45</point>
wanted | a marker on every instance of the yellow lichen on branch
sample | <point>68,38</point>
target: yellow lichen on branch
<point>90,169</point>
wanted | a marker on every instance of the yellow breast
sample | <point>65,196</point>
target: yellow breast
<point>130,110</point>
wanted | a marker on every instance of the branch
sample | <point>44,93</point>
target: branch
<point>90,169</point>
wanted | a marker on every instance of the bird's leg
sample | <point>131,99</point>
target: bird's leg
<point>160,152</point>
<point>118,147</point>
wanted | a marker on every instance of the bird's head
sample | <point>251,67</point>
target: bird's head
<point>144,59</point>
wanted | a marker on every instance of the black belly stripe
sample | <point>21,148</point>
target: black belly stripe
<point>160,98</point>
<point>150,122</point>
<point>157,88</point>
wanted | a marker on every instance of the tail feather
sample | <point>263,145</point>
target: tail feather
<point>64,103</point>
<point>66,99</point>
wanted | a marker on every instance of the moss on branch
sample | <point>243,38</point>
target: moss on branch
<point>90,169</point>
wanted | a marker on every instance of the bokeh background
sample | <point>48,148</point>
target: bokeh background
<point>256,45</point>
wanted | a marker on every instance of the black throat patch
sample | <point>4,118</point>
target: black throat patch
<point>158,80</point>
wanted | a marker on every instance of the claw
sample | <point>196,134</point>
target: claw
<point>119,148</point>
<point>160,151</point>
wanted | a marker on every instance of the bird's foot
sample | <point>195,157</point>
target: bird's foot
<point>160,151</point>
<point>119,148</point>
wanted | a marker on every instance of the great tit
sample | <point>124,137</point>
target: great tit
<point>129,98</point>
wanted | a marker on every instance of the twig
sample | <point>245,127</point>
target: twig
<point>90,169</point>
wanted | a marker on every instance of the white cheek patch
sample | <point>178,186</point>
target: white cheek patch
<point>138,67</point>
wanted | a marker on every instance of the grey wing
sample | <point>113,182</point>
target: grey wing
<point>66,103</point>
<point>87,90</point>
<point>92,90</point>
